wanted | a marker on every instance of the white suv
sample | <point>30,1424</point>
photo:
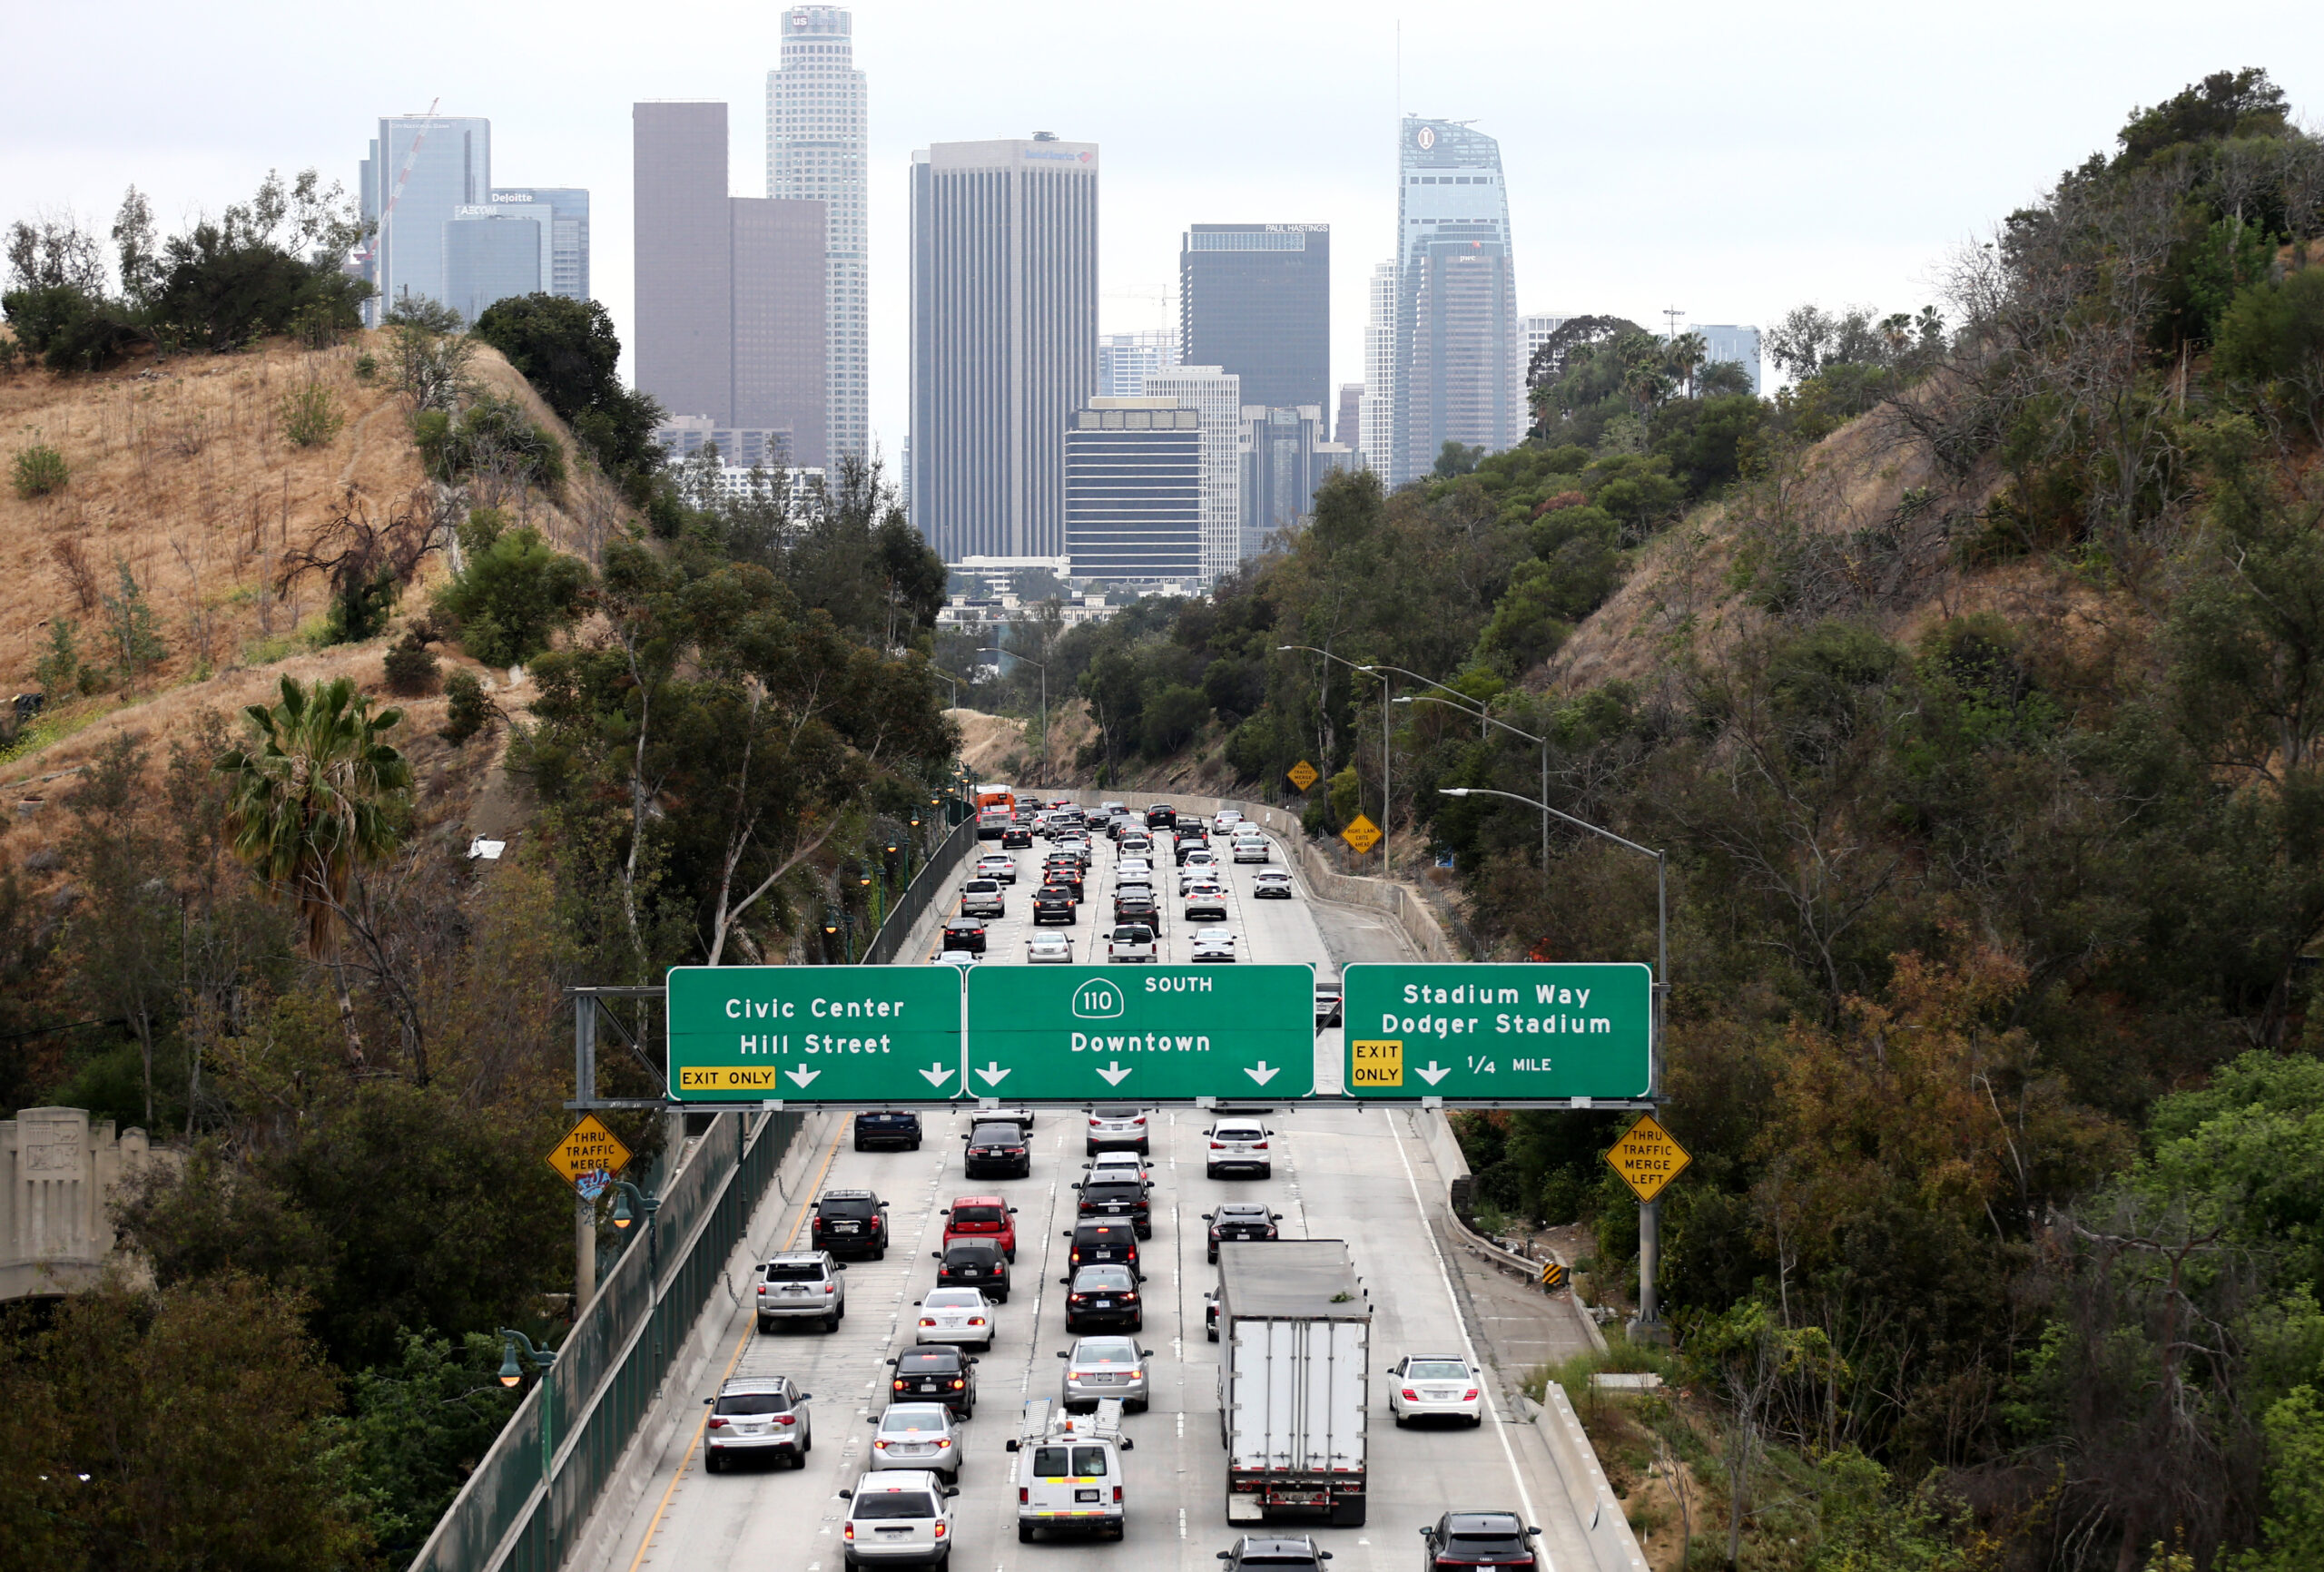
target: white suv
<point>1131,941</point>
<point>898,1518</point>
<point>1238,1145</point>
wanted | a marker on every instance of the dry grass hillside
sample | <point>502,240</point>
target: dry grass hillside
<point>182,473</point>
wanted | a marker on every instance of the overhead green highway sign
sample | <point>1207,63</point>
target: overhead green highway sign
<point>1141,1033</point>
<point>814,1034</point>
<point>1487,1032</point>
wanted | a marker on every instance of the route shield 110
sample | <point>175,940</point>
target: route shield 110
<point>814,1034</point>
<point>1142,1033</point>
<point>1485,1032</point>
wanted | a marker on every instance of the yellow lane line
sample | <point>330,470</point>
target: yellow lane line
<point>678,1473</point>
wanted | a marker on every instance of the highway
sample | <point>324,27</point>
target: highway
<point>1361,1175</point>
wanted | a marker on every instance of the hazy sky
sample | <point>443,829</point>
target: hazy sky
<point>1732,161</point>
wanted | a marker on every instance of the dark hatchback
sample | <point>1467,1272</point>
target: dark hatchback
<point>1127,1202</point>
<point>1095,1243</point>
<point>1100,1298</point>
<point>1135,903</point>
<point>851,1223</point>
<point>1054,903</point>
<point>1241,1221</point>
<point>998,1151</point>
<point>930,1373</point>
<point>1479,1539</point>
<point>1066,875</point>
<point>1280,1552</point>
<point>974,1264</point>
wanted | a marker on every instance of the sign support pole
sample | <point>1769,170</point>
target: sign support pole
<point>585,1210</point>
<point>1649,1327</point>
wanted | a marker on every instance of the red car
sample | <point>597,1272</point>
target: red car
<point>983,1217</point>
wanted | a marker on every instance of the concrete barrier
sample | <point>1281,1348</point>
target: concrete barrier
<point>1597,1511</point>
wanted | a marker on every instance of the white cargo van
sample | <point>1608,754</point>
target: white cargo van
<point>1070,1470</point>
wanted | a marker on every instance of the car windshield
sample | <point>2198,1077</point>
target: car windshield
<point>794,1271</point>
<point>753,1403</point>
<point>848,1206</point>
<point>954,1299</point>
<point>976,1214</point>
<point>902,1504</point>
<point>1436,1370</point>
<point>916,1417</point>
<point>993,1134</point>
<point>1103,1279</point>
<point>928,1360</point>
<point>1105,1351</point>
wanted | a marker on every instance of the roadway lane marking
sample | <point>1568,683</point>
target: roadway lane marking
<point>1468,1346</point>
<point>654,1526</point>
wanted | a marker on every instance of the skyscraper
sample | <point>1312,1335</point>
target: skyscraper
<point>1133,491</point>
<point>1458,342</point>
<point>1727,341</point>
<point>1004,339</point>
<point>569,233</point>
<point>1347,425</point>
<point>1255,300</point>
<point>493,250</point>
<point>1216,395</point>
<point>1125,360</point>
<point>729,289</point>
<point>1377,417</point>
<point>421,168</point>
<point>1284,454</point>
<point>816,123</point>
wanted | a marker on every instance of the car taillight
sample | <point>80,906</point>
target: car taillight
<point>716,1423</point>
<point>979,1320</point>
<point>898,1384</point>
<point>958,1385</point>
<point>849,1533</point>
<point>830,1288</point>
<point>762,1288</point>
<point>879,1446</point>
<point>925,1321</point>
<point>1023,1496</point>
<point>942,1442</point>
<point>1470,1396</point>
<point>1411,1396</point>
<point>1214,1146</point>
<point>940,1527</point>
<point>1117,1495</point>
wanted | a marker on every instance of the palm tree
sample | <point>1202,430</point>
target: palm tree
<point>311,799</point>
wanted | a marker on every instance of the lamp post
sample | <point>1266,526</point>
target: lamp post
<point>879,898</point>
<point>1041,766</point>
<point>629,1204</point>
<point>1495,721</point>
<point>831,927</point>
<point>512,1374</point>
<point>1649,1212</point>
<point>1387,801</point>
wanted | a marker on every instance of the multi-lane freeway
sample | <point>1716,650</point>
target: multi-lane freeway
<point>1361,1175</point>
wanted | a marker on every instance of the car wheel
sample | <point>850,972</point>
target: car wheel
<point>1009,1256</point>
<point>1212,1257</point>
<point>1024,1533</point>
<point>859,1143</point>
<point>1396,1416</point>
<point>830,1321</point>
<point>913,1147</point>
<point>1267,1173</point>
<point>1208,1172</point>
<point>766,1326</point>
<point>712,1462</point>
<point>880,1253</point>
<point>1210,1333</point>
<point>806,1445</point>
<point>1475,1421</point>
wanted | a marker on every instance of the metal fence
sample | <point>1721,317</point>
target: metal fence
<point>922,893</point>
<point>523,1512</point>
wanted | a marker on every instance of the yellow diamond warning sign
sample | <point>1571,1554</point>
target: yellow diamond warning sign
<point>1303,774</point>
<point>1647,1158</point>
<point>1376,1064</point>
<point>1361,834</point>
<point>588,1148</point>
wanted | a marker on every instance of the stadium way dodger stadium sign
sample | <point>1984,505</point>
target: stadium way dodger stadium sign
<point>1486,1031</point>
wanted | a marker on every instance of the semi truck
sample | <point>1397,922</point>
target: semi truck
<point>1295,1333</point>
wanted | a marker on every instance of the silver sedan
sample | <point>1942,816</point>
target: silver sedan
<point>918,1436</point>
<point>1106,1367</point>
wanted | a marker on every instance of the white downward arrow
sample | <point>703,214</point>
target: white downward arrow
<point>1114,1073</point>
<point>1432,1073</point>
<point>937,1074</point>
<point>802,1077</point>
<point>1263,1075</point>
<point>992,1073</point>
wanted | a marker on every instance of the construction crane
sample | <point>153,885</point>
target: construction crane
<point>402,175</point>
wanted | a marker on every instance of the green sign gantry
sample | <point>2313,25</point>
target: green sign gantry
<point>1141,1033</point>
<point>813,1033</point>
<point>1486,1032</point>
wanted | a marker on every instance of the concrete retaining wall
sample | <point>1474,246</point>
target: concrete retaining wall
<point>1597,1511</point>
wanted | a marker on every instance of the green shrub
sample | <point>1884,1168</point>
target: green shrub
<point>367,365</point>
<point>469,710</point>
<point>69,327</point>
<point>310,415</point>
<point>513,592</point>
<point>493,433</point>
<point>410,665</point>
<point>38,470</point>
<point>60,670</point>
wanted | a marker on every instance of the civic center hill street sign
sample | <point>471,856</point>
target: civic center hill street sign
<point>1488,1032</point>
<point>813,1033</point>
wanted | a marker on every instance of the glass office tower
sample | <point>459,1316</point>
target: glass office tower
<point>1459,375</point>
<point>1256,301</point>
<point>816,123</point>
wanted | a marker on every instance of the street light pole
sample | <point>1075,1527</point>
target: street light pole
<point>1649,1212</point>
<point>1494,720</point>
<point>511,1374</point>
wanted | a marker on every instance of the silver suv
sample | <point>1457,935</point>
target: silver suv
<point>802,1285</point>
<point>759,1414</point>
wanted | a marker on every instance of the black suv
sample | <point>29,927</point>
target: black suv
<point>964,933</point>
<point>935,1373</point>
<point>1240,1219</point>
<point>974,1264</point>
<point>1097,1242</point>
<point>1479,1539</point>
<point>1069,874</point>
<point>1161,816</point>
<point>998,1149</point>
<point>1282,1552</point>
<point>1123,1202</point>
<point>1102,1298</point>
<point>1135,903</point>
<point>851,1223</point>
<point>887,1127</point>
<point>1054,903</point>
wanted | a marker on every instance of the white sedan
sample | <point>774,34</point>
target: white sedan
<point>1226,819</point>
<point>1272,884</point>
<point>1048,950</point>
<point>1434,1387</point>
<point>1214,944</point>
<point>959,958</point>
<point>956,1315</point>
